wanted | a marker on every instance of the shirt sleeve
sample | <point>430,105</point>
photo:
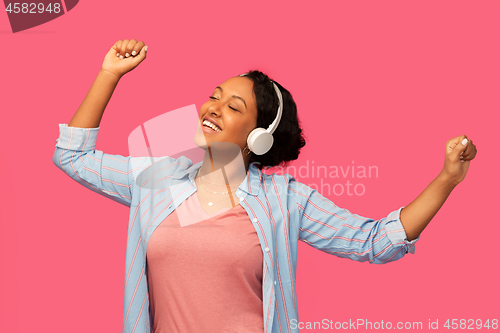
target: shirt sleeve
<point>334,230</point>
<point>108,175</point>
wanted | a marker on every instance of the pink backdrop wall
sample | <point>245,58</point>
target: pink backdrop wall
<point>380,83</point>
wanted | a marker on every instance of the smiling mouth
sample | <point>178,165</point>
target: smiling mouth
<point>212,126</point>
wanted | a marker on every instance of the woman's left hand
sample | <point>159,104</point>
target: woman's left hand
<point>459,152</point>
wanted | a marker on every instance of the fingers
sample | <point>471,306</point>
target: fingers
<point>455,147</point>
<point>128,48</point>
<point>469,153</point>
<point>463,143</point>
<point>137,48</point>
<point>142,53</point>
<point>119,49</point>
<point>460,148</point>
<point>122,47</point>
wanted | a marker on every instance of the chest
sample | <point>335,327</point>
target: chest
<point>213,202</point>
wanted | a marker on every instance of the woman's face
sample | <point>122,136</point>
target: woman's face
<point>233,109</point>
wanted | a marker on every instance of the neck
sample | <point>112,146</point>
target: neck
<point>220,166</point>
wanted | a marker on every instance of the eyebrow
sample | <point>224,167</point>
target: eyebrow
<point>234,96</point>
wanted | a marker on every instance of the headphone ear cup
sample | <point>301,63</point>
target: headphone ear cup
<point>260,141</point>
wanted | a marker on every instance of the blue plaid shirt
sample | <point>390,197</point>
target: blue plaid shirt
<point>282,210</point>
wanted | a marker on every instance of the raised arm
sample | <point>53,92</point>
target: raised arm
<point>90,112</point>
<point>417,215</point>
<point>75,153</point>
<point>120,59</point>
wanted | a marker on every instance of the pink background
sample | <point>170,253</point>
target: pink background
<point>383,83</point>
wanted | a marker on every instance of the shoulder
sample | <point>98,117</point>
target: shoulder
<point>286,183</point>
<point>274,178</point>
<point>144,168</point>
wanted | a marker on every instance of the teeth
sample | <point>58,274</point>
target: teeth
<point>212,126</point>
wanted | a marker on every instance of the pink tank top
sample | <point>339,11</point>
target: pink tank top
<point>205,272</point>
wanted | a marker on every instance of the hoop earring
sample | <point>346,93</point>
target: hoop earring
<point>246,147</point>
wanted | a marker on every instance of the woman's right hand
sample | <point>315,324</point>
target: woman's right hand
<point>123,57</point>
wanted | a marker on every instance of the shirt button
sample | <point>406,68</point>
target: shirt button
<point>169,206</point>
<point>242,198</point>
<point>274,282</point>
<point>255,220</point>
<point>267,249</point>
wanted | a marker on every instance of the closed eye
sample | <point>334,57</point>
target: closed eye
<point>212,97</point>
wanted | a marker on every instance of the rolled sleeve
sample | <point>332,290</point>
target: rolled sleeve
<point>106,174</point>
<point>77,138</point>
<point>396,233</point>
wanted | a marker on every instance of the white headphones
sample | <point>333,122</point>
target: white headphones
<point>260,140</point>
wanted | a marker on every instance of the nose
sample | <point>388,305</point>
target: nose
<point>214,108</point>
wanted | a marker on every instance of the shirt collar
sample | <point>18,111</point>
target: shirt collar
<point>250,185</point>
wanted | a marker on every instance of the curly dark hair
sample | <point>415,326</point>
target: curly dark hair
<point>288,136</point>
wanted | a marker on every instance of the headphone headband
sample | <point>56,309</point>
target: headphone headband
<point>260,140</point>
<point>276,121</point>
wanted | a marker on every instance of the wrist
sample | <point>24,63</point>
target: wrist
<point>109,76</point>
<point>447,180</point>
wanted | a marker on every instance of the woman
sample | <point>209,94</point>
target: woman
<point>224,259</point>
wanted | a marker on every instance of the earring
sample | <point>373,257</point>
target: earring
<point>246,147</point>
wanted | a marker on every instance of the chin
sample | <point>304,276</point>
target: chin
<point>200,140</point>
